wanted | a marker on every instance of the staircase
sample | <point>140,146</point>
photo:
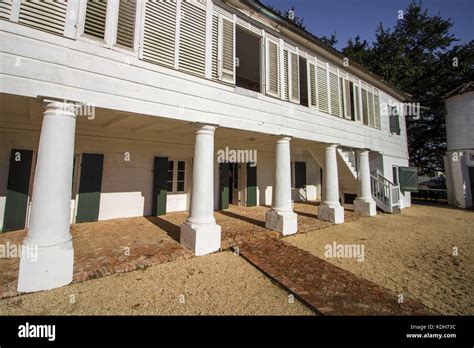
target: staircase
<point>385,193</point>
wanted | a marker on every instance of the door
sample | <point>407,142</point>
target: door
<point>235,177</point>
<point>160,184</point>
<point>300,175</point>
<point>90,186</point>
<point>251,185</point>
<point>224,174</point>
<point>471,182</point>
<point>18,186</point>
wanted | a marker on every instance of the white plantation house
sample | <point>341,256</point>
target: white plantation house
<point>113,109</point>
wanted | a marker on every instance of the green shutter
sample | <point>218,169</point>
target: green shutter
<point>160,184</point>
<point>300,174</point>
<point>88,202</point>
<point>408,178</point>
<point>18,185</point>
<point>224,186</point>
<point>251,185</point>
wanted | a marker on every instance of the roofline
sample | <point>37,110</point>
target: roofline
<point>257,6</point>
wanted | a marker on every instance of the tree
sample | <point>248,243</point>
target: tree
<point>418,57</point>
<point>331,41</point>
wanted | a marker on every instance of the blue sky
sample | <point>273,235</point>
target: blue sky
<point>349,18</point>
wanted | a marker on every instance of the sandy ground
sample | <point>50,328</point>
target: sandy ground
<point>217,284</point>
<point>409,253</point>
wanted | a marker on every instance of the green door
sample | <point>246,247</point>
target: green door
<point>89,187</point>
<point>224,175</point>
<point>160,184</point>
<point>18,186</point>
<point>300,174</point>
<point>251,185</point>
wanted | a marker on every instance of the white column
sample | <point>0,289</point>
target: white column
<point>364,204</point>
<point>200,233</point>
<point>48,233</point>
<point>331,209</point>
<point>282,218</point>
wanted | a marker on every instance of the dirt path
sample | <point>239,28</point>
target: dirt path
<point>409,253</point>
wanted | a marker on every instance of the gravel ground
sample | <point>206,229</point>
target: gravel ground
<point>409,253</point>
<point>216,284</point>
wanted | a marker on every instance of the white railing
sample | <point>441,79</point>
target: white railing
<point>385,193</point>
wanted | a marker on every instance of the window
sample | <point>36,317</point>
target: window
<point>96,12</point>
<point>126,23</point>
<point>395,175</point>
<point>170,176</point>
<point>304,81</point>
<point>176,176</point>
<point>365,110</point>
<point>394,120</point>
<point>247,59</point>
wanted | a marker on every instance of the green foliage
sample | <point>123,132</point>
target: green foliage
<point>417,57</point>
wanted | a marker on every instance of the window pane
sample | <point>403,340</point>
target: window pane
<point>170,186</point>
<point>170,165</point>
<point>181,176</point>
<point>180,186</point>
<point>181,165</point>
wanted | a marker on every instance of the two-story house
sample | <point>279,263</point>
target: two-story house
<point>113,109</point>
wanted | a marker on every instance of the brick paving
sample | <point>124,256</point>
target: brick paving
<point>122,245</point>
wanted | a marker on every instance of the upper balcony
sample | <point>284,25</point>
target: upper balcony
<point>200,61</point>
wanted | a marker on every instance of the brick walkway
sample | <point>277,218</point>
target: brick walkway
<point>121,245</point>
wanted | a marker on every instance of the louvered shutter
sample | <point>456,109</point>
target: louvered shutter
<point>215,46</point>
<point>5,9</point>
<point>295,78</point>
<point>286,76</point>
<point>342,97</point>
<point>357,102</point>
<point>312,84</point>
<point>160,32</point>
<point>371,108</point>
<point>273,67</point>
<point>334,92</point>
<point>126,23</point>
<point>347,97</point>
<point>226,56</point>
<point>45,15</point>
<point>192,39</point>
<point>96,12</point>
<point>365,109</point>
<point>377,111</point>
<point>322,89</point>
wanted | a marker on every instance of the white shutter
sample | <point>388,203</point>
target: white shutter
<point>356,102</point>
<point>45,15</point>
<point>126,23</point>
<point>295,77</point>
<point>192,39</point>
<point>377,111</point>
<point>96,13</point>
<point>215,45</point>
<point>5,9</point>
<point>160,32</point>
<point>371,109</point>
<point>226,51</point>
<point>347,98</point>
<point>286,76</point>
<point>312,97</point>
<point>322,81</point>
<point>334,93</point>
<point>272,69</point>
